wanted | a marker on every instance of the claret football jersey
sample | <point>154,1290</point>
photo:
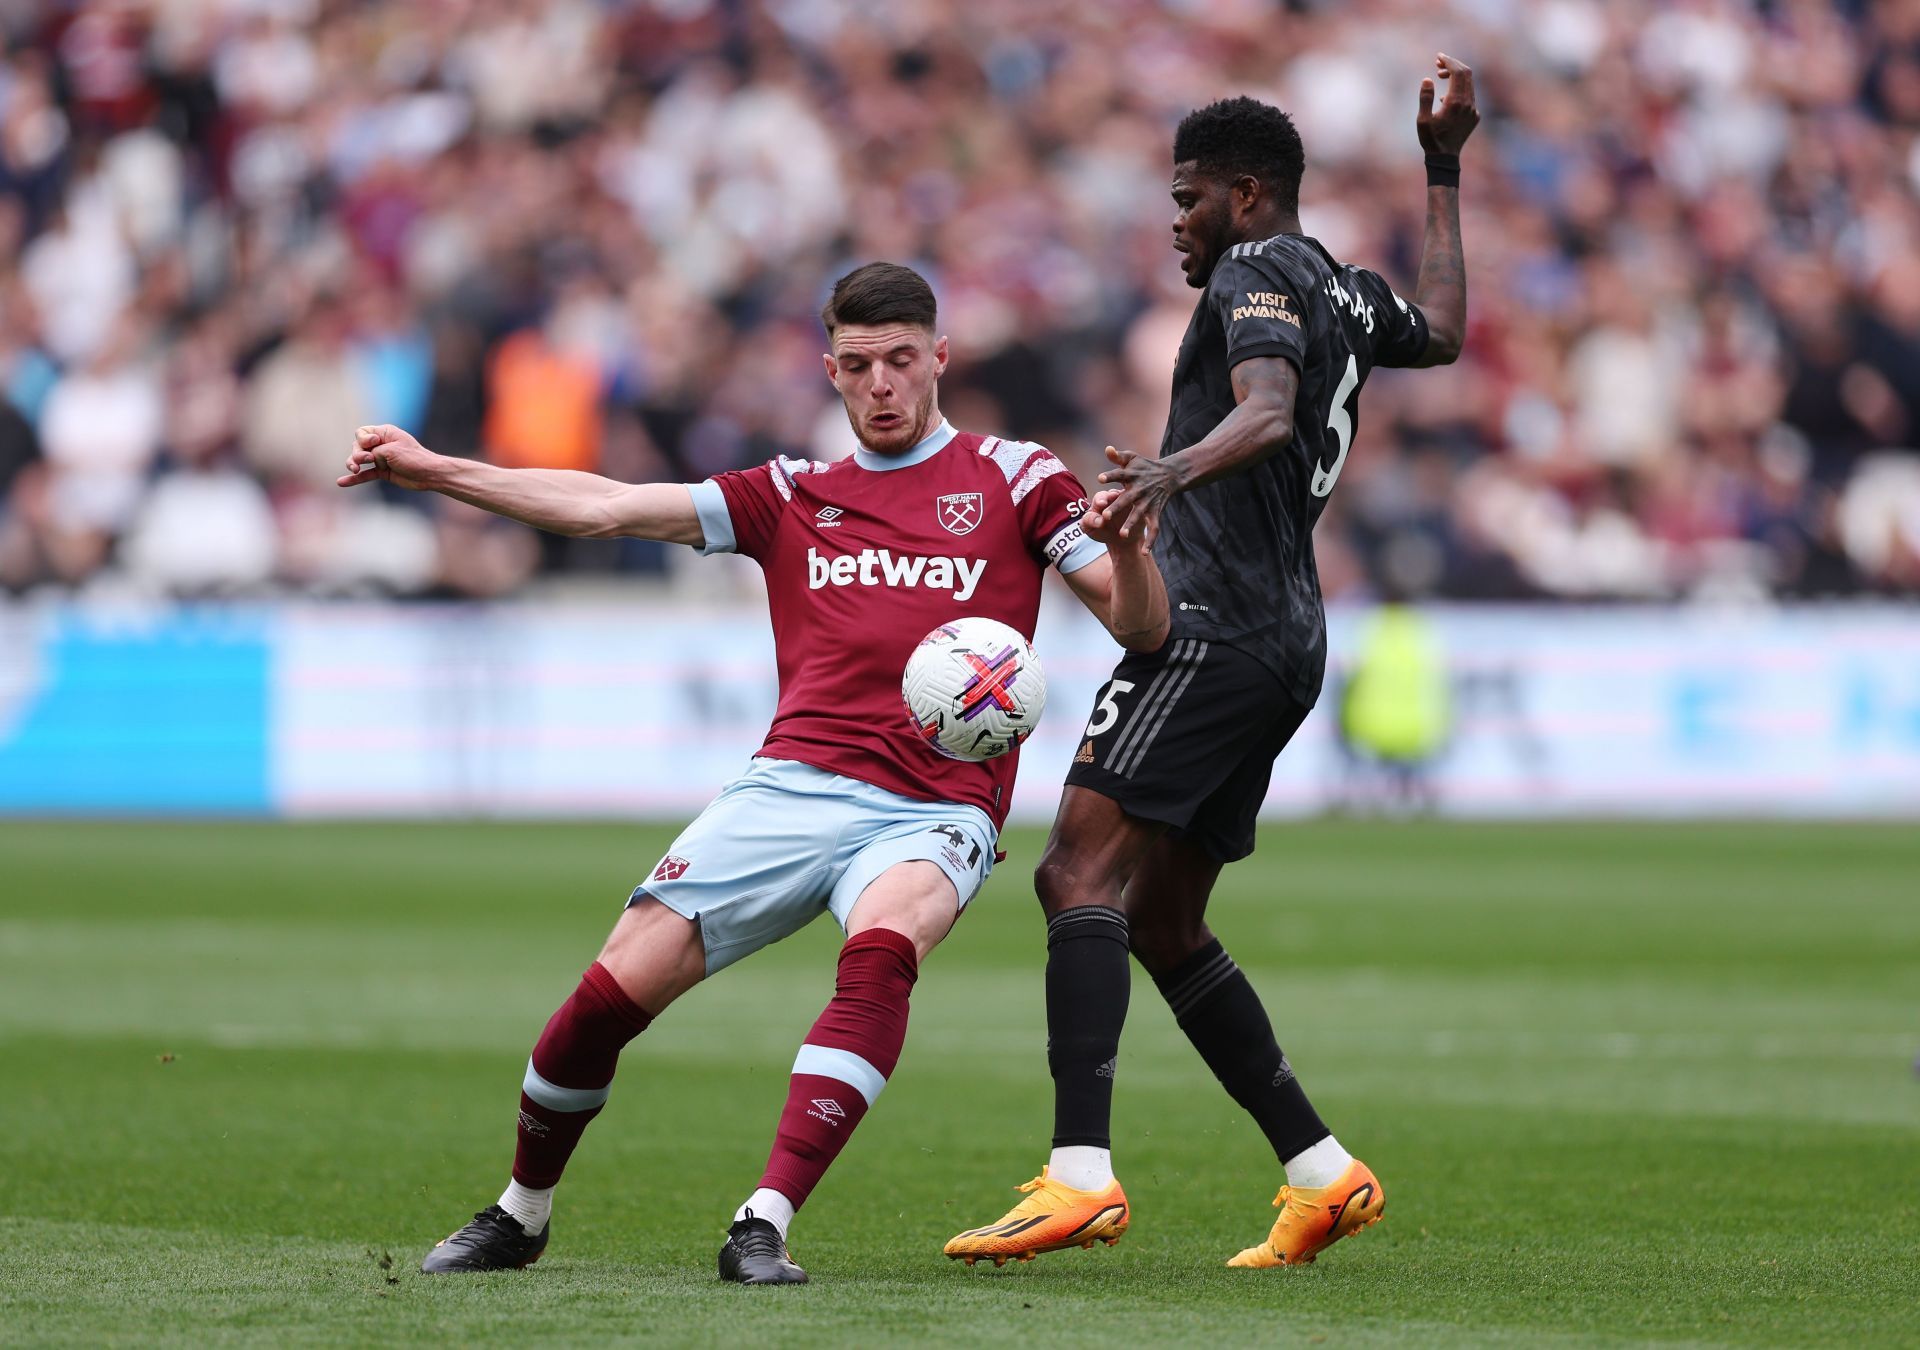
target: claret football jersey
<point>866,556</point>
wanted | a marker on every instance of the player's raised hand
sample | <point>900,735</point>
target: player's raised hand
<point>1145,487</point>
<point>387,454</point>
<point>1099,521</point>
<point>1443,132</point>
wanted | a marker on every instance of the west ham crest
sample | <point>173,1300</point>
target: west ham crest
<point>959,512</point>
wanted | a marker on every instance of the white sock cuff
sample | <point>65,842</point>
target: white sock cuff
<point>772,1206</point>
<point>531,1208</point>
<point>1081,1166</point>
<point>1320,1165</point>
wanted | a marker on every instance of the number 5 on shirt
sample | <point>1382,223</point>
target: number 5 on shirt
<point>1340,423</point>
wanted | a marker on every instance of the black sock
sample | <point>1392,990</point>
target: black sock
<point>1217,1008</point>
<point>1088,980</point>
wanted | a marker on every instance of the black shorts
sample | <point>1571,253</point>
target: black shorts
<point>1187,735</point>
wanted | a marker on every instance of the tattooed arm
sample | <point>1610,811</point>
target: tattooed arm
<point>1442,289</point>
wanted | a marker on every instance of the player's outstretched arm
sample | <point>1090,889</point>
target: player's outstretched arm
<point>1260,425</point>
<point>1124,590</point>
<point>1442,291</point>
<point>564,501</point>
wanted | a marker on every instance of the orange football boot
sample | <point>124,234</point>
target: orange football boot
<point>1313,1220</point>
<point>1053,1217</point>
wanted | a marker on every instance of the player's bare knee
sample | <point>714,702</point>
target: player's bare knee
<point>1163,942</point>
<point>1055,882</point>
<point>915,899</point>
<point>1064,879</point>
<point>655,954</point>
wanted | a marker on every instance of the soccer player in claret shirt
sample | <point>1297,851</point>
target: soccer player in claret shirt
<point>1177,756</point>
<point>845,809</point>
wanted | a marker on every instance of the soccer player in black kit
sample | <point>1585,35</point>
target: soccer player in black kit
<point>1176,759</point>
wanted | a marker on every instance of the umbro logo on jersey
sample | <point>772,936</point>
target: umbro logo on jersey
<point>959,512</point>
<point>829,517</point>
<point>882,567</point>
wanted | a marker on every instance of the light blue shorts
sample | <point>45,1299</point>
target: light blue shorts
<point>785,841</point>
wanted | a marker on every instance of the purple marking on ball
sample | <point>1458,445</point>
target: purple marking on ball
<point>1005,654</point>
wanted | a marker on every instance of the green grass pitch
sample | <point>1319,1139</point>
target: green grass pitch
<point>1623,1084</point>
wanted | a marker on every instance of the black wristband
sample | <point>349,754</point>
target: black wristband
<point>1443,170</point>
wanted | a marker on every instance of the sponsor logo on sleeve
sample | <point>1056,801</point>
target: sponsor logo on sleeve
<point>1062,543</point>
<point>1265,305</point>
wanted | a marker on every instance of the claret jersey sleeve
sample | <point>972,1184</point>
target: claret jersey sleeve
<point>1260,306</point>
<point>740,509</point>
<point>1049,502</point>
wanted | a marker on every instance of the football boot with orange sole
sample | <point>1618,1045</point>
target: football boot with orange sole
<point>1313,1220</point>
<point>1053,1217</point>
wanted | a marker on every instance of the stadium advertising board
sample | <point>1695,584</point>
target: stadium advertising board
<point>351,710</point>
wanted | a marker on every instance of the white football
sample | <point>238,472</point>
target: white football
<point>974,689</point>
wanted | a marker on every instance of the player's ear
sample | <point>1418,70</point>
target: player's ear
<point>1245,192</point>
<point>940,355</point>
<point>833,369</point>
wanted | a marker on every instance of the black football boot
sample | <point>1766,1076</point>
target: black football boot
<point>756,1254</point>
<point>493,1241</point>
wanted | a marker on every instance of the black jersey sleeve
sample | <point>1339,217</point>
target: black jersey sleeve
<point>1399,329</point>
<point>1260,307</point>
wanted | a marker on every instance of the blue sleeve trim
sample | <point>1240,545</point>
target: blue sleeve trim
<point>716,521</point>
<point>1084,551</point>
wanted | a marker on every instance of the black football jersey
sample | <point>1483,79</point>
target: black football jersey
<point>1238,553</point>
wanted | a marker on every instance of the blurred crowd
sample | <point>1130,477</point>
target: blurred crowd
<point>595,234</point>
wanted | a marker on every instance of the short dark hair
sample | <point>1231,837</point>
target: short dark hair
<point>1242,135</point>
<point>880,292</point>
